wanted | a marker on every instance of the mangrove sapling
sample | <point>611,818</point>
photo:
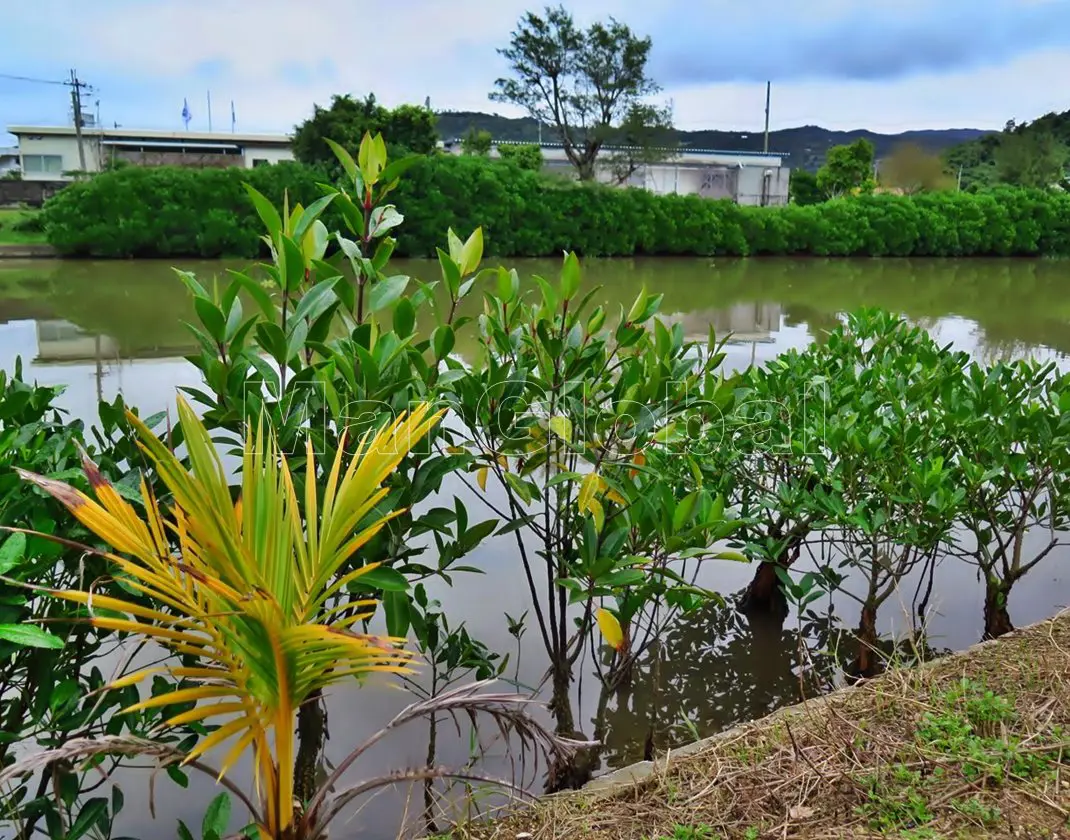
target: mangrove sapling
<point>886,494</point>
<point>329,343</point>
<point>1009,427</point>
<point>772,440</point>
<point>577,425</point>
<point>450,655</point>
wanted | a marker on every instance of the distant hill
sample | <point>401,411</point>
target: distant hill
<point>805,145</point>
<point>976,158</point>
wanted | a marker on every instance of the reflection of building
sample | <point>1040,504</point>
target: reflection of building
<point>61,342</point>
<point>48,152</point>
<point>64,343</point>
<point>759,178</point>
<point>743,323</point>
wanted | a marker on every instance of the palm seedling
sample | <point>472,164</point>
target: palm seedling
<point>251,598</point>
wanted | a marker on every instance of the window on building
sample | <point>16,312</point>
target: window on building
<point>43,164</point>
<point>260,162</point>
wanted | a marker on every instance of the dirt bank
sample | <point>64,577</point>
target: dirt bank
<point>973,745</point>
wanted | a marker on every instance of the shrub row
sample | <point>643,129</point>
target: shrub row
<point>185,212</point>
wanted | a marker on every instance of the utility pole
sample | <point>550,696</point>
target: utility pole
<point>768,94</point>
<point>76,101</point>
<point>209,112</point>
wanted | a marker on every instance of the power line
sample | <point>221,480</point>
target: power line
<point>31,79</point>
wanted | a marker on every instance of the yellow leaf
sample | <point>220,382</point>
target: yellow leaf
<point>591,486</point>
<point>597,513</point>
<point>562,427</point>
<point>614,496</point>
<point>481,477</point>
<point>455,450</point>
<point>610,628</point>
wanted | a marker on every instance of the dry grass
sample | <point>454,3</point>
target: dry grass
<point>974,745</point>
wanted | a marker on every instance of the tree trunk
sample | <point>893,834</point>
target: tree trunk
<point>867,662</point>
<point>997,617</point>
<point>764,593</point>
<point>429,784</point>
<point>311,738</point>
<point>567,772</point>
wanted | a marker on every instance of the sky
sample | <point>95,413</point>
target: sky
<point>885,65</point>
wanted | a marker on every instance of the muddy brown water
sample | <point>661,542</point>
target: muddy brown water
<point>105,328</point>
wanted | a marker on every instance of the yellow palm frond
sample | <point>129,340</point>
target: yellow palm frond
<point>246,587</point>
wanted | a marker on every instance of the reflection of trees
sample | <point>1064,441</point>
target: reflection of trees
<point>715,668</point>
<point>141,302</point>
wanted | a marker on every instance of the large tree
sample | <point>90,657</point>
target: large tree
<point>406,129</point>
<point>1030,158</point>
<point>584,83</point>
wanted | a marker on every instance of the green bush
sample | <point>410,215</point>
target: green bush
<point>170,212</point>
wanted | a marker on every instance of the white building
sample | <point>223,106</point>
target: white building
<point>758,178</point>
<point>50,153</point>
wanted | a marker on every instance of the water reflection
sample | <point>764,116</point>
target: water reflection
<point>714,670</point>
<point>105,329</point>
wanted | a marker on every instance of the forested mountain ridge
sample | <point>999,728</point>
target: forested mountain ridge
<point>806,145</point>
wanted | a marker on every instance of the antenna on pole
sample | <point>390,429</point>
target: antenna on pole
<point>768,95</point>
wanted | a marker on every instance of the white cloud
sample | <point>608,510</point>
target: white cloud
<point>986,98</point>
<point>146,56</point>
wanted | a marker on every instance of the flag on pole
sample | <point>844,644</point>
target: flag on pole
<point>186,115</point>
<point>233,117</point>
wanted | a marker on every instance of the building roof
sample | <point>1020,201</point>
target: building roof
<point>152,134</point>
<point>610,148</point>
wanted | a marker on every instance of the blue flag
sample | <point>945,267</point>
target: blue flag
<point>186,115</point>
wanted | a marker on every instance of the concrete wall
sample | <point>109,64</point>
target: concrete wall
<point>33,193</point>
<point>192,159</point>
<point>763,186</point>
<point>272,154</point>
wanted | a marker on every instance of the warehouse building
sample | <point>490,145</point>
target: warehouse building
<point>755,178</point>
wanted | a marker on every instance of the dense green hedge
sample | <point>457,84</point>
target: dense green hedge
<point>185,212</point>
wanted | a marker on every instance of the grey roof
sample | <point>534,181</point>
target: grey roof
<point>610,148</point>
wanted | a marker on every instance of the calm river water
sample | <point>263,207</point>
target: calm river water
<point>104,328</point>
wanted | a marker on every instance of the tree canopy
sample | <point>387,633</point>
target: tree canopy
<point>407,128</point>
<point>585,83</point>
<point>847,169</point>
<point>1030,159</point>
<point>1023,154</point>
<point>912,169</point>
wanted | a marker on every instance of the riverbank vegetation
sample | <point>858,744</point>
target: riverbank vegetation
<point>615,452</point>
<point>970,746</point>
<point>167,212</point>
